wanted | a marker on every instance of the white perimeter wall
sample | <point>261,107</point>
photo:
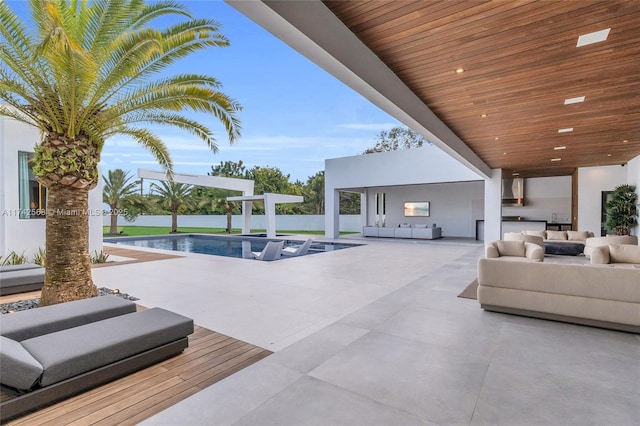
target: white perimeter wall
<point>348,223</point>
<point>27,235</point>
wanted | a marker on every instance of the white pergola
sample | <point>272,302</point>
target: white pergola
<point>270,200</point>
<point>243,185</point>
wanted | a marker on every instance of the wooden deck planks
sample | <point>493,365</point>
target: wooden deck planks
<point>209,358</point>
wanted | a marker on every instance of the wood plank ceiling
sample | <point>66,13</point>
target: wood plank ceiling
<point>520,63</point>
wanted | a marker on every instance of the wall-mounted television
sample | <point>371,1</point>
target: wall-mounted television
<point>416,208</point>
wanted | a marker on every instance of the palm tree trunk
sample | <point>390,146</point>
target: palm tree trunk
<point>113,227</point>
<point>174,221</point>
<point>229,218</point>
<point>68,272</point>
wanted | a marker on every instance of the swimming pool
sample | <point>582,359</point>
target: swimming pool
<point>219,245</point>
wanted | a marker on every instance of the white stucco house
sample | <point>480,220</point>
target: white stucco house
<point>23,200</point>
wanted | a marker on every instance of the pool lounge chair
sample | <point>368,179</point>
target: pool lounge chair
<point>54,352</point>
<point>272,251</point>
<point>21,278</point>
<point>299,250</point>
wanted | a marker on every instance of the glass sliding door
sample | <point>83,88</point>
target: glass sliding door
<point>31,193</point>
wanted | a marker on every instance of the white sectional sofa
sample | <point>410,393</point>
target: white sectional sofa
<point>594,295</point>
<point>514,251</point>
<point>417,231</point>
<point>619,255</point>
<point>593,242</point>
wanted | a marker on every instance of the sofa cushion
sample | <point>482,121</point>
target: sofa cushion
<point>510,248</point>
<point>577,235</point>
<point>556,235</point>
<point>21,267</point>
<point>542,234</point>
<point>18,368</point>
<point>71,352</point>
<point>24,325</point>
<point>420,225</point>
<point>600,255</point>
<point>623,253</point>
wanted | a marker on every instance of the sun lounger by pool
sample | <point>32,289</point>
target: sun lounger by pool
<point>87,343</point>
<point>272,251</point>
<point>21,278</point>
<point>300,250</point>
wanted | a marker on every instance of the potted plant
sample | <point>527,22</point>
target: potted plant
<point>622,209</point>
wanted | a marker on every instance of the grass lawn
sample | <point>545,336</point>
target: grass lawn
<point>138,231</point>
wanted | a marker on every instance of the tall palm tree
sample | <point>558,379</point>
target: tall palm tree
<point>118,192</point>
<point>173,196</point>
<point>83,71</point>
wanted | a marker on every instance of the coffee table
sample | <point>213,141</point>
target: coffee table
<point>564,248</point>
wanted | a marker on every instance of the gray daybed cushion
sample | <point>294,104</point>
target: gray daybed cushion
<point>21,267</point>
<point>67,353</point>
<point>18,368</point>
<point>24,325</point>
<point>21,280</point>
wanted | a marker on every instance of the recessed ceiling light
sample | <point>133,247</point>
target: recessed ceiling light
<point>565,130</point>
<point>574,100</point>
<point>556,159</point>
<point>608,155</point>
<point>515,174</point>
<point>625,141</point>
<point>558,148</point>
<point>459,70</point>
<point>496,138</point>
<point>484,116</point>
<point>595,37</point>
<point>504,153</point>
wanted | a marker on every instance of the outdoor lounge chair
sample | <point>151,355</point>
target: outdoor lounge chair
<point>21,278</point>
<point>299,250</point>
<point>54,352</point>
<point>272,251</point>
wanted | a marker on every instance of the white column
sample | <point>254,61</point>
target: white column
<point>331,212</point>
<point>493,206</point>
<point>270,216</point>
<point>363,209</point>
<point>246,215</point>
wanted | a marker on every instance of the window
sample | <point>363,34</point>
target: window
<point>33,195</point>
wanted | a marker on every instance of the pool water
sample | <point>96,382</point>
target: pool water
<point>216,245</point>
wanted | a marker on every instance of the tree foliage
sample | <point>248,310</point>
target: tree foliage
<point>622,209</point>
<point>120,192</point>
<point>399,137</point>
<point>83,71</point>
<point>175,197</point>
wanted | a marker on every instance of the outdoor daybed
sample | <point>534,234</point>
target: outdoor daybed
<point>51,353</point>
<point>21,278</point>
<point>600,296</point>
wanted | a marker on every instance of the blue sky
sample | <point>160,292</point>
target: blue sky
<point>295,114</point>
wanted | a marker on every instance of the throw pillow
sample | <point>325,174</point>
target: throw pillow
<point>511,248</point>
<point>18,367</point>
<point>624,253</point>
<point>577,235</point>
<point>542,234</point>
<point>556,235</point>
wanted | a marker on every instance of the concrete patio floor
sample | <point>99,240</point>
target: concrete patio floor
<point>375,335</point>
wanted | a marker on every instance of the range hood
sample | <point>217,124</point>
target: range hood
<point>513,192</point>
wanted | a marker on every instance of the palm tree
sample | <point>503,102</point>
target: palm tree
<point>118,192</point>
<point>83,71</point>
<point>173,196</point>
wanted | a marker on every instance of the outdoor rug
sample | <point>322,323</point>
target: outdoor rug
<point>471,292</point>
